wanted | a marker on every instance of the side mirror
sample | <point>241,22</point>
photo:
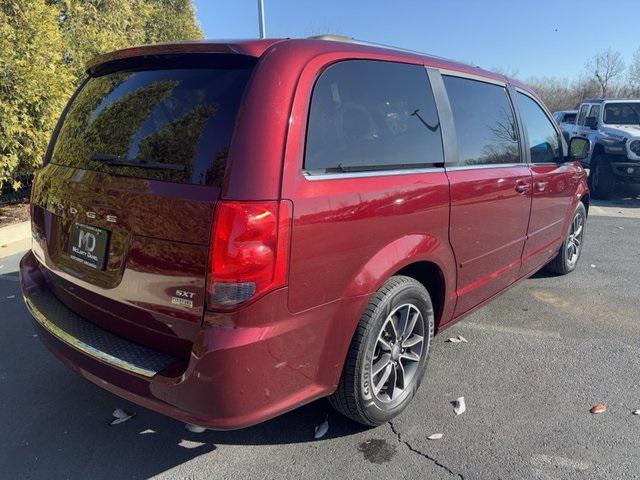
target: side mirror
<point>591,122</point>
<point>579,148</point>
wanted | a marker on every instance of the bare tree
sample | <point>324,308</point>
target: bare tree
<point>634,73</point>
<point>562,93</point>
<point>508,71</point>
<point>605,67</point>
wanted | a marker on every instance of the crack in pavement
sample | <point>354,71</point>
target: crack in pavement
<point>422,454</point>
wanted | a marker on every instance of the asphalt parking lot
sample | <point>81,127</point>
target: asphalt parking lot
<point>536,360</point>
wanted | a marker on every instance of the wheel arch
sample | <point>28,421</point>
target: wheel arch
<point>598,149</point>
<point>431,276</point>
<point>585,199</point>
<point>425,257</point>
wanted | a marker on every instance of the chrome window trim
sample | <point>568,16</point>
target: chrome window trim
<point>490,165</point>
<point>313,177</point>
<point>472,76</point>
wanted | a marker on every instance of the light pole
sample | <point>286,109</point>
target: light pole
<point>263,32</point>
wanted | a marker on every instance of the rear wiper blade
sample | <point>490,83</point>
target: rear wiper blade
<point>111,159</point>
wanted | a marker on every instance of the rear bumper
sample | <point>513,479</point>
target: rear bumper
<point>247,367</point>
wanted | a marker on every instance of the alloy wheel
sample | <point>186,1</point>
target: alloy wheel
<point>574,243</point>
<point>397,352</point>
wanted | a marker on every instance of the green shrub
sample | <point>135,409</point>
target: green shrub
<point>44,46</point>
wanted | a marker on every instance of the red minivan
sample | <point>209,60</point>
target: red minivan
<point>223,232</point>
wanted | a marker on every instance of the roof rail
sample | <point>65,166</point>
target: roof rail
<point>331,37</point>
<point>344,38</point>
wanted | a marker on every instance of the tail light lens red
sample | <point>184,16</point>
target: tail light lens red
<point>249,251</point>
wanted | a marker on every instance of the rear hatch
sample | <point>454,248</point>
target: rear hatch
<point>122,211</point>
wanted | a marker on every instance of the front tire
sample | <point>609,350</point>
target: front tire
<point>569,254</point>
<point>602,180</point>
<point>388,354</point>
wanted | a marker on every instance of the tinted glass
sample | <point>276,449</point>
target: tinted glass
<point>368,115</point>
<point>177,121</point>
<point>485,126</point>
<point>595,111</point>
<point>569,118</point>
<point>544,144</point>
<point>583,114</point>
<point>622,113</point>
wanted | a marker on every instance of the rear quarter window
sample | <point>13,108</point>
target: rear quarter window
<point>370,115</point>
<point>175,123</point>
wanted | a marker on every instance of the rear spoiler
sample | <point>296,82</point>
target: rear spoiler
<point>253,48</point>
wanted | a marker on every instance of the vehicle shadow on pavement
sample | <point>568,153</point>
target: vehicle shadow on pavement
<point>627,196</point>
<point>57,425</point>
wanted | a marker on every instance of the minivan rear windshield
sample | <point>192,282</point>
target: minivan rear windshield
<point>157,122</point>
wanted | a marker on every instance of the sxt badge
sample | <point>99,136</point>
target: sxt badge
<point>183,298</point>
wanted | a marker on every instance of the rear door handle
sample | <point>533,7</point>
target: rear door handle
<point>522,186</point>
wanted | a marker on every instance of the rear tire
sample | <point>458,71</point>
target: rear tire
<point>602,180</point>
<point>571,249</point>
<point>388,354</point>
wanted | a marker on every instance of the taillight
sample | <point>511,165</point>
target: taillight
<point>249,251</point>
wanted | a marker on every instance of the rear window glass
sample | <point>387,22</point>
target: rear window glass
<point>170,124</point>
<point>485,125</point>
<point>372,115</point>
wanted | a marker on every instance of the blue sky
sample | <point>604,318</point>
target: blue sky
<point>533,37</point>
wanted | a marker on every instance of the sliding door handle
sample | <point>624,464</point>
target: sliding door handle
<point>522,187</point>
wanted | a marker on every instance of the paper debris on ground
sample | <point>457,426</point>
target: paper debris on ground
<point>459,406</point>
<point>435,436</point>
<point>598,408</point>
<point>636,412</point>
<point>321,429</point>
<point>121,416</point>
<point>458,339</point>
<point>194,428</point>
<point>190,444</point>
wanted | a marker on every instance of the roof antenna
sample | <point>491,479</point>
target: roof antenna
<point>263,32</point>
